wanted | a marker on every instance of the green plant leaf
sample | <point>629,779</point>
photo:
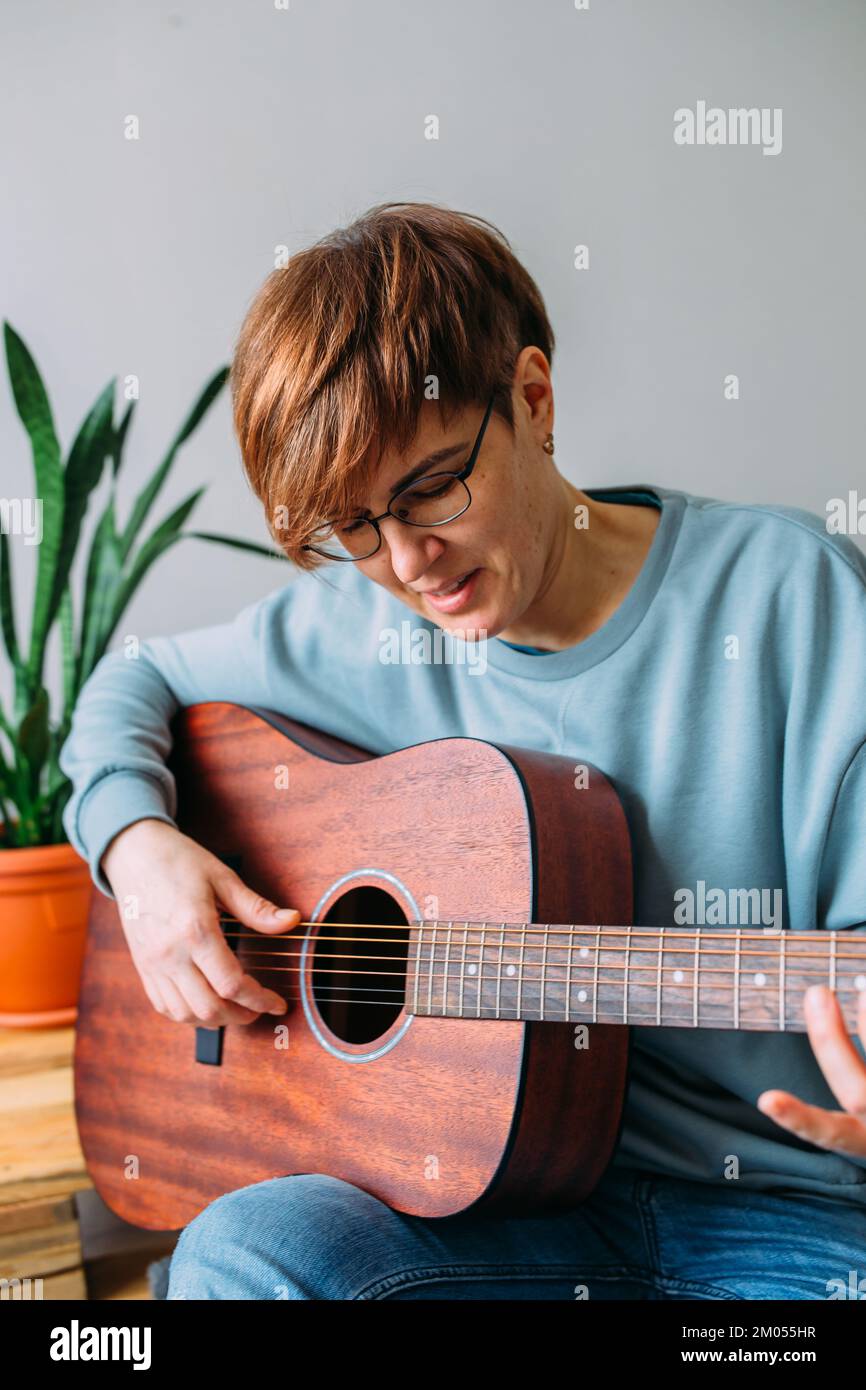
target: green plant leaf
<point>31,398</point>
<point>156,544</point>
<point>145,498</point>
<point>5,776</point>
<point>8,837</point>
<point>102,580</point>
<point>94,443</point>
<point>67,650</point>
<point>252,546</point>
<point>24,793</point>
<point>55,778</point>
<point>7,608</point>
<point>33,738</point>
<point>120,437</point>
<point>54,808</point>
<point>31,401</point>
<point>31,780</point>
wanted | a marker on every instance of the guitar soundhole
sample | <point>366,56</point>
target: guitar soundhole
<point>359,964</point>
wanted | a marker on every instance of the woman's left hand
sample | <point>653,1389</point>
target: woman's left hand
<point>843,1131</point>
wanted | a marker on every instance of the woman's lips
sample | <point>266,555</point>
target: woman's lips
<point>453,602</point>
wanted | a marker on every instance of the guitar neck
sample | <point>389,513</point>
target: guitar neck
<point>671,977</point>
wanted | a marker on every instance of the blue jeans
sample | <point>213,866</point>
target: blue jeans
<point>637,1236</point>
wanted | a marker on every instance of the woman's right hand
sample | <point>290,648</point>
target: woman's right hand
<point>167,888</point>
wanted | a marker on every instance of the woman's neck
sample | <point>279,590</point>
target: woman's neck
<point>590,570</point>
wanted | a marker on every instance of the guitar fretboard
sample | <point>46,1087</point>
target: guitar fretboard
<point>707,977</point>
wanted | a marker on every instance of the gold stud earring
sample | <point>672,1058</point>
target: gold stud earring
<point>547,446</point>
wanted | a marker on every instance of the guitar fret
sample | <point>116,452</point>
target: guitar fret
<point>782,985</point>
<point>543,967</point>
<point>499,971</point>
<point>445,980</point>
<point>418,965</point>
<point>480,973</point>
<point>737,978</point>
<point>430,981</point>
<point>659,979</point>
<point>595,975</point>
<point>833,961</point>
<point>625,982</point>
<point>520,967</point>
<point>462,968</point>
<point>697,976</point>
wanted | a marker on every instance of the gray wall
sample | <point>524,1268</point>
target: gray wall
<point>262,127</point>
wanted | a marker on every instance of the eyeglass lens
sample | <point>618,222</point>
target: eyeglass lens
<point>429,501</point>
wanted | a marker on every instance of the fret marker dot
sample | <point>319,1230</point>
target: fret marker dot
<point>581,994</point>
<point>472,969</point>
<point>678,977</point>
<point>760,978</point>
<point>510,969</point>
<point>860,981</point>
<point>584,951</point>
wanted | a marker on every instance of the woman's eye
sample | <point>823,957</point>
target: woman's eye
<point>434,487</point>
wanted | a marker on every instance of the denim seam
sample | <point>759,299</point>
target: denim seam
<point>395,1283</point>
<point>643,1201</point>
<point>643,1193</point>
<point>436,1274</point>
<point>668,1282</point>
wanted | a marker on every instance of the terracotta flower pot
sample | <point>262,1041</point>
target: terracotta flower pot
<point>44,904</point>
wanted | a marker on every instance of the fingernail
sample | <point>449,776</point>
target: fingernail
<point>284,912</point>
<point>819,996</point>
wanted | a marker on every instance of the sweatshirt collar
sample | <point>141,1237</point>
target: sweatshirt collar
<point>626,618</point>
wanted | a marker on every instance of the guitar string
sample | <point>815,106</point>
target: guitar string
<point>570,963</point>
<point>459,925</point>
<point>495,945</point>
<point>425,976</point>
<point>526,965</point>
<point>602,1014</point>
<point>633,1020</point>
<point>425,980</point>
<point>669,1015</point>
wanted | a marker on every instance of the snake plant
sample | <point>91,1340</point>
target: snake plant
<point>119,557</point>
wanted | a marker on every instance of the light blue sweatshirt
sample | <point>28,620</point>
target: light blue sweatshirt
<point>725,698</point>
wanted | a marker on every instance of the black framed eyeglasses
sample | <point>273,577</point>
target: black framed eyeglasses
<point>431,500</point>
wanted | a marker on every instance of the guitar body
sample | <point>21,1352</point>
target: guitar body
<point>432,1115</point>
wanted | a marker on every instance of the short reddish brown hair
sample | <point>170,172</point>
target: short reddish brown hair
<point>335,355</point>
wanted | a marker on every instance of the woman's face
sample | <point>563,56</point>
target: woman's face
<point>501,542</point>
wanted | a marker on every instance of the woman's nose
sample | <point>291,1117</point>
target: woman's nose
<point>411,550</point>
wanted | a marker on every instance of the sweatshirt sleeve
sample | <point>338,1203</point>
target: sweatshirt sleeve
<point>119,739</point>
<point>842,880</point>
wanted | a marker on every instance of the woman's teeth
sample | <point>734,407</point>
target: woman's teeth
<point>440,593</point>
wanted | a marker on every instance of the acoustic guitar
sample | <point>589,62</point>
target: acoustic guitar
<point>460,990</point>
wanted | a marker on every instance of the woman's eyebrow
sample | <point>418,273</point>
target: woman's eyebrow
<point>440,456</point>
